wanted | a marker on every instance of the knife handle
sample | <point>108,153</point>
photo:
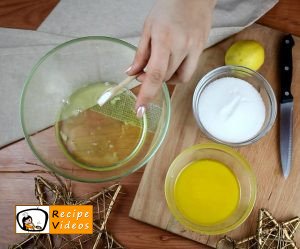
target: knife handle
<point>286,68</point>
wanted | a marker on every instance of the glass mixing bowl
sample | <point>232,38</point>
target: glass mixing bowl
<point>257,81</point>
<point>81,64</point>
<point>240,168</point>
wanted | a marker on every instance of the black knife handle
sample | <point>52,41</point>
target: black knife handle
<point>286,68</point>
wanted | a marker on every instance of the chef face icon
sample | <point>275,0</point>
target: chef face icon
<point>27,222</point>
<point>33,219</point>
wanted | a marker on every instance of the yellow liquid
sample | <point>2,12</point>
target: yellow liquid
<point>206,192</point>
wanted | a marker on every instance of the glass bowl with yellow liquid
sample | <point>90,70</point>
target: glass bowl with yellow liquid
<point>69,132</point>
<point>210,189</point>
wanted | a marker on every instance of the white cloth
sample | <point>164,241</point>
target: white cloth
<point>20,49</point>
<point>125,18</point>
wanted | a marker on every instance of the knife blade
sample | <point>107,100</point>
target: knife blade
<point>286,104</point>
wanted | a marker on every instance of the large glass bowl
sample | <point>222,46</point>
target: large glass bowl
<point>67,68</point>
<point>239,167</point>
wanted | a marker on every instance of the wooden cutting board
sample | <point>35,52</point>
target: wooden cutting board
<point>281,197</point>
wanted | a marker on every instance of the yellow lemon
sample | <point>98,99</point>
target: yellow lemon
<point>245,53</point>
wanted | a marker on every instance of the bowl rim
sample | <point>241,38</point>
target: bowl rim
<point>252,178</point>
<point>51,166</point>
<point>233,68</point>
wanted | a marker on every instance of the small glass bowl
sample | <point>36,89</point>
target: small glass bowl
<point>252,77</point>
<point>236,163</point>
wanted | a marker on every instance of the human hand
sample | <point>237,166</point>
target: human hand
<point>173,38</point>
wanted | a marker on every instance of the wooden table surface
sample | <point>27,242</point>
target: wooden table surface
<point>16,186</point>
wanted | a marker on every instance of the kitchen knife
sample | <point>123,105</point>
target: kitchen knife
<point>286,103</point>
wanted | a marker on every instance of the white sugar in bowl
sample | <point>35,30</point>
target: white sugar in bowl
<point>234,105</point>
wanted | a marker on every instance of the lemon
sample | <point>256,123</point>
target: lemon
<point>245,53</point>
